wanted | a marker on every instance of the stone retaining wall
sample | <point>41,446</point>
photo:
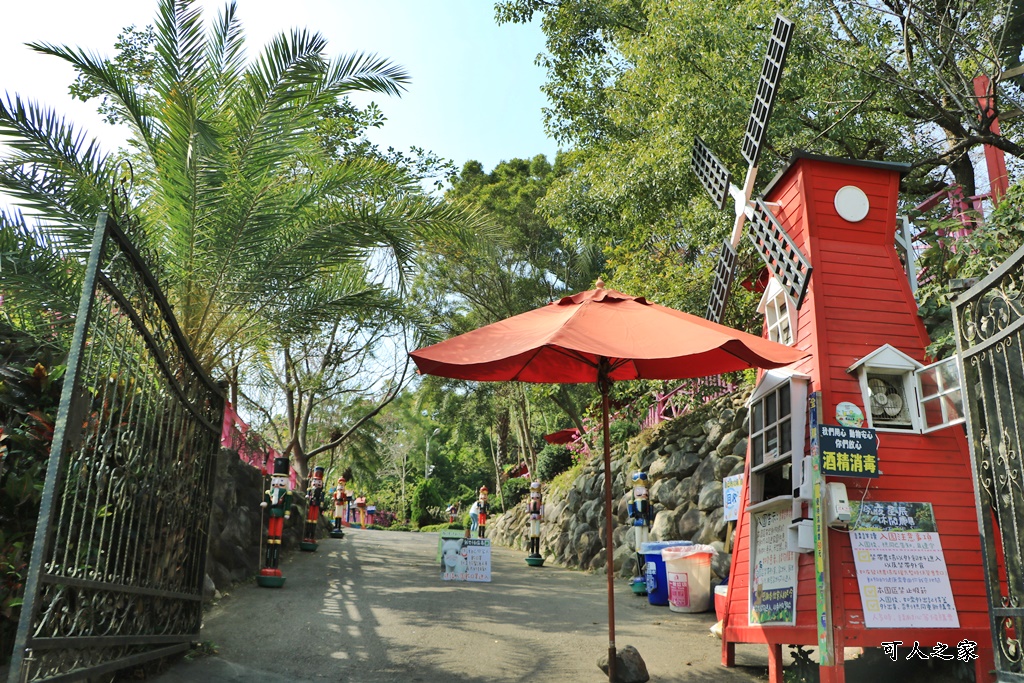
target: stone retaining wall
<point>237,525</point>
<point>685,459</point>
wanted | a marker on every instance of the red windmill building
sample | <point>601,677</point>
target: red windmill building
<point>857,525</point>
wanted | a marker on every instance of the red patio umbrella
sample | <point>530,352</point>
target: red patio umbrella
<point>562,436</point>
<point>600,336</point>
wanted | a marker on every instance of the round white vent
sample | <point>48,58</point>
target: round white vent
<point>851,203</point>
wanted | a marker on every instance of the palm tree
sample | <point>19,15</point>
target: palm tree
<point>255,224</point>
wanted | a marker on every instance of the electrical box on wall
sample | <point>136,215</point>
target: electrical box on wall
<point>801,536</point>
<point>837,504</point>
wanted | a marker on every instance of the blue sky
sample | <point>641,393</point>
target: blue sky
<point>475,91</point>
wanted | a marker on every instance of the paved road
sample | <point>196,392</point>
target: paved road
<point>371,608</point>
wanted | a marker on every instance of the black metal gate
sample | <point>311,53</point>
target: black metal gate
<point>116,576</point>
<point>989,325</point>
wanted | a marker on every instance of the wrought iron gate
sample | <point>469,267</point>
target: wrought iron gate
<point>989,325</point>
<point>116,575</point>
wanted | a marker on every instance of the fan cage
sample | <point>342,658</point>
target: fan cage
<point>887,401</point>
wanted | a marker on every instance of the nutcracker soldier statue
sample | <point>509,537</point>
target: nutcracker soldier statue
<point>314,501</point>
<point>642,515</point>
<point>340,498</point>
<point>277,502</point>
<point>534,513</point>
<point>482,509</point>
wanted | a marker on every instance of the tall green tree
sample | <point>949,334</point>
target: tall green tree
<point>631,82</point>
<point>257,224</point>
<point>528,264</point>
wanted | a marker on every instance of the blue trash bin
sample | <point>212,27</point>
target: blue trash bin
<point>654,572</point>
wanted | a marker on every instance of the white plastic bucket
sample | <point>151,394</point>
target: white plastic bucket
<point>688,573</point>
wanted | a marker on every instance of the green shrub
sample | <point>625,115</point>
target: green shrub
<point>441,527</point>
<point>426,498</point>
<point>30,385</point>
<point>552,460</point>
<point>622,431</point>
<point>514,490</point>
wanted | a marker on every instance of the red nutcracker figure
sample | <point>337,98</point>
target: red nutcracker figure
<point>535,512</point>
<point>340,508</point>
<point>314,501</point>
<point>482,507</point>
<point>276,502</point>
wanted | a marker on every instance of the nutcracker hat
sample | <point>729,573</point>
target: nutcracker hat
<point>534,484</point>
<point>483,490</point>
<point>341,480</point>
<point>640,476</point>
<point>318,472</point>
<point>281,466</point>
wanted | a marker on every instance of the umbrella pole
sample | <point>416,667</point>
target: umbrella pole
<point>610,550</point>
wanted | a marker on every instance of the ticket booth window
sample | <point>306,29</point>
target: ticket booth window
<point>777,422</point>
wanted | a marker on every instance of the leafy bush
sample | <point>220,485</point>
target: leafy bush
<point>514,490</point>
<point>426,500</point>
<point>552,460</point>
<point>29,394</point>
<point>442,527</point>
<point>622,431</point>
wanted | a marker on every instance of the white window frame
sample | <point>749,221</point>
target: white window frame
<point>888,361</point>
<point>794,424</point>
<point>891,362</point>
<point>777,309</point>
<point>949,391</point>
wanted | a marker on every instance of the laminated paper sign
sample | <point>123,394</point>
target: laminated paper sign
<point>731,489</point>
<point>901,570</point>
<point>466,559</point>
<point>773,569</point>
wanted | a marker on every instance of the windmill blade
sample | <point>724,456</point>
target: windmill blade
<point>724,272</point>
<point>711,172</point>
<point>767,87</point>
<point>780,253</point>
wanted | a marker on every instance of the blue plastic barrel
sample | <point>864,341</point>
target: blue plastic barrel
<point>654,572</point>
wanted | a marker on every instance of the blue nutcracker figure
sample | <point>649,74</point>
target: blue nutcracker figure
<point>642,515</point>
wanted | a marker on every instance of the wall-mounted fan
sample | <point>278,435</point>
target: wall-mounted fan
<point>888,404</point>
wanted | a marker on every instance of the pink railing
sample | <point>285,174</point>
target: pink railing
<point>669,406</point>
<point>252,450</point>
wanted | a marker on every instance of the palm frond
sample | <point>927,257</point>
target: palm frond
<point>113,84</point>
<point>53,168</point>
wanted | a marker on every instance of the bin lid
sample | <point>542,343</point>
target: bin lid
<point>676,553</point>
<point>658,546</point>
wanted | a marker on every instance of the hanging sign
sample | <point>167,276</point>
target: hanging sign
<point>877,515</point>
<point>773,569</point>
<point>848,451</point>
<point>466,559</point>
<point>731,489</point>
<point>900,567</point>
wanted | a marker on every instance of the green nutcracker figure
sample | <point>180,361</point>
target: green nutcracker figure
<point>277,502</point>
<point>340,498</point>
<point>314,501</point>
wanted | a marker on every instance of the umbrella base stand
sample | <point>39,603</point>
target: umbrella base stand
<point>629,665</point>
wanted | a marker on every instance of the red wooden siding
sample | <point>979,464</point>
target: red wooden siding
<point>858,300</point>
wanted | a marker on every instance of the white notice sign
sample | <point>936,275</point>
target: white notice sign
<point>772,568</point>
<point>903,580</point>
<point>731,489</point>
<point>466,559</point>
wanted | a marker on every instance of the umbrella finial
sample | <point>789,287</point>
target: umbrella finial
<point>599,284</point>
